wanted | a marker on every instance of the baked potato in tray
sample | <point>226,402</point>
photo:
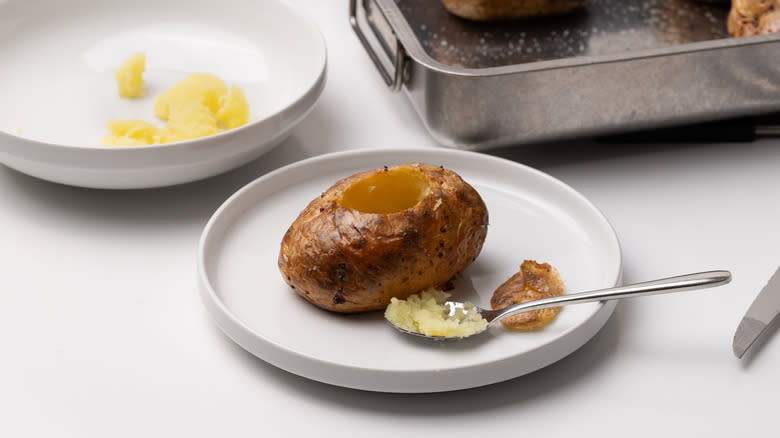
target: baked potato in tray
<point>754,17</point>
<point>383,233</point>
<point>484,10</point>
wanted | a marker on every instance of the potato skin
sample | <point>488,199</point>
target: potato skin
<point>754,17</point>
<point>485,10</point>
<point>343,260</point>
<point>533,281</point>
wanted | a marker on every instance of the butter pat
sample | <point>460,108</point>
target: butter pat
<point>425,313</point>
<point>129,76</point>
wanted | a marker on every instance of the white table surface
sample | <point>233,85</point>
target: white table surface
<point>103,334</point>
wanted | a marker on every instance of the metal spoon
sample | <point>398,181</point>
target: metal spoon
<point>681,283</point>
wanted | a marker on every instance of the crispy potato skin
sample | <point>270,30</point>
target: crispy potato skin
<point>343,260</point>
<point>483,10</point>
<point>533,281</point>
<point>754,17</point>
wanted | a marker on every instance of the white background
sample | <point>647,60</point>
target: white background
<point>102,332</point>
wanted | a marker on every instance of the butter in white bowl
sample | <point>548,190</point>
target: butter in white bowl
<point>197,106</point>
<point>267,47</point>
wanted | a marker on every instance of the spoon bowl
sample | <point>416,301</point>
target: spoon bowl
<point>680,283</point>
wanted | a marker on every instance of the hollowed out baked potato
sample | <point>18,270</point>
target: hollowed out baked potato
<point>383,233</point>
<point>482,10</point>
<point>754,17</point>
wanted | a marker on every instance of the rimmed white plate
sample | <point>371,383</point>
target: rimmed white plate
<point>532,216</point>
<point>57,83</point>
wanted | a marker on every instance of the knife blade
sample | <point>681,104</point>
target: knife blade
<point>759,315</point>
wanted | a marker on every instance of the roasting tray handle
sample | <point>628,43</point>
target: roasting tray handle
<point>395,49</point>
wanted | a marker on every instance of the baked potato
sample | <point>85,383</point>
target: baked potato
<point>533,281</point>
<point>754,17</point>
<point>482,10</point>
<point>383,233</point>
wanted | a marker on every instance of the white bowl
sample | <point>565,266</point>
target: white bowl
<point>57,83</point>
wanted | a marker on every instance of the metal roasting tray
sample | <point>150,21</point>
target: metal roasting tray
<point>614,66</point>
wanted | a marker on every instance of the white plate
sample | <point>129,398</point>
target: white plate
<point>57,83</point>
<point>532,216</point>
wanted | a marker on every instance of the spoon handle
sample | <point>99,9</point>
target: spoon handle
<point>680,283</point>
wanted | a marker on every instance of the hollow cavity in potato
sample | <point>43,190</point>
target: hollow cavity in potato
<point>383,233</point>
